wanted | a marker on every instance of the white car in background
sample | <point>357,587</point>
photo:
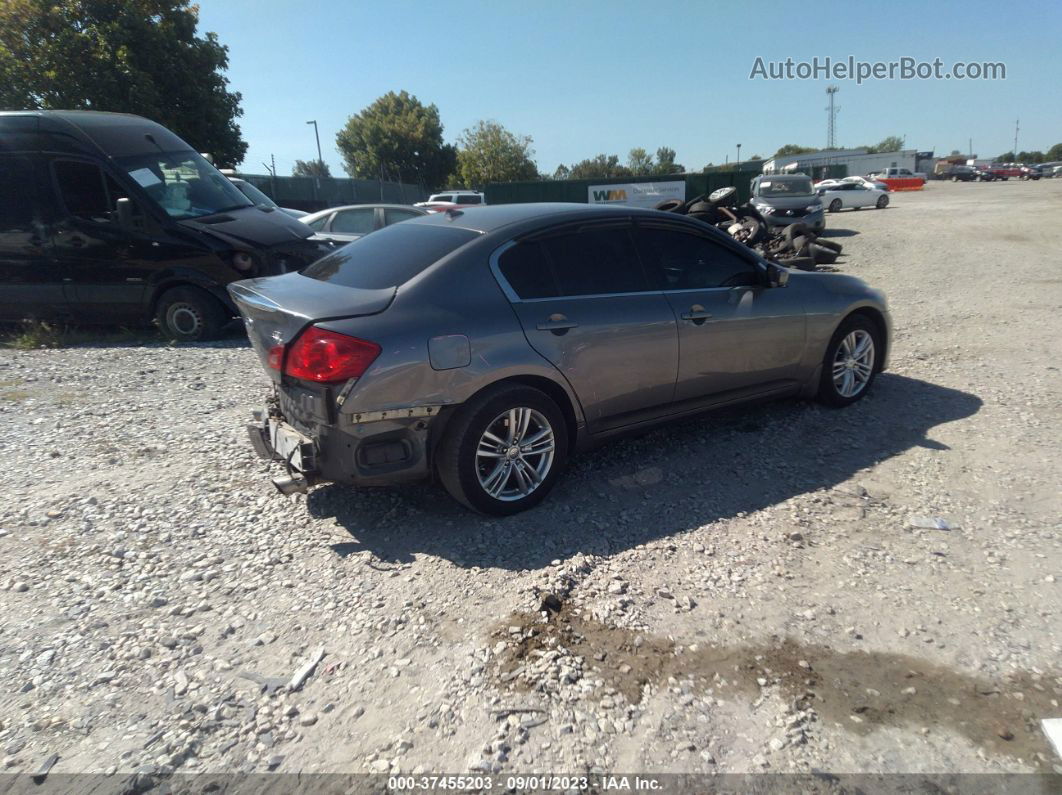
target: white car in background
<point>846,194</point>
<point>870,183</point>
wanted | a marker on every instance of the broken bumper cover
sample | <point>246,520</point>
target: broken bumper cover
<point>369,450</point>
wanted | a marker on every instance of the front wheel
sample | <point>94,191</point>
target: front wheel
<point>835,206</point>
<point>188,314</point>
<point>883,202</point>
<point>504,451</point>
<point>850,363</point>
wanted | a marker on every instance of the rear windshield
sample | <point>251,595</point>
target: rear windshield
<point>784,186</point>
<point>389,257</point>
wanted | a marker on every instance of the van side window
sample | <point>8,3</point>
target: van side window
<point>82,190</point>
<point>16,192</point>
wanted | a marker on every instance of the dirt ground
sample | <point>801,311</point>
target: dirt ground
<point>762,590</point>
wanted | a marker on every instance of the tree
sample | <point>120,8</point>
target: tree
<point>490,153</point>
<point>892,143</point>
<point>794,149</point>
<point>562,172</point>
<point>1031,157</point>
<point>398,138</point>
<point>665,162</point>
<point>1054,153</point>
<point>597,167</point>
<point>311,168</point>
<point>640,162</point>
<point>133,56</point>
<point>1007,157</point>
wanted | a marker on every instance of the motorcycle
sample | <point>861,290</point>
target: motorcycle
<point>793,246</point>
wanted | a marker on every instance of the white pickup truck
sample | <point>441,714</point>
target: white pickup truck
<point>898,173</point>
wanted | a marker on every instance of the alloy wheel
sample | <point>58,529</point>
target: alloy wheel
<point>515,453</point>
<point>853,363</point>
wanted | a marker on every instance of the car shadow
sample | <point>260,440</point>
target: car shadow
<point>838,233</point>
<point>640,489</point>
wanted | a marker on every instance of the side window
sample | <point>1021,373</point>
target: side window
<point>469,198</point>
<point>395,216</point>
<point>527,269</point>
<point>684,261</point>
<point>354,222</point>
<point>16,195</point>
<point>595,262</point>
<point>319,224</point>
<point>82,190</point>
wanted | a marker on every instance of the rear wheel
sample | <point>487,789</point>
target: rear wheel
<point>835,206</point>
<point>883,202</point>
<point>850,363</point>
<point>188,314</point>
<point>504,451</point>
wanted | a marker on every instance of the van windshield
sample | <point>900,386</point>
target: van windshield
<point>778,187</point>
<point>183,184</point>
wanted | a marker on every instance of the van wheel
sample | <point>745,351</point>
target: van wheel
<point>188,314</point>
<point>504,450</point>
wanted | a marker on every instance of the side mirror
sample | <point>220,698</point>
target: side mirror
<point>777,276</point>
<point>125,212</point>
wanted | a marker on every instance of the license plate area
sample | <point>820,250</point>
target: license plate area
<point>291,447</point>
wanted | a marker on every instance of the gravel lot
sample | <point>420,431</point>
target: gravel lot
<point>753,591</point>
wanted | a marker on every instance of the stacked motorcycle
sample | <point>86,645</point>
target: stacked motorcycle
<point>793,246</point>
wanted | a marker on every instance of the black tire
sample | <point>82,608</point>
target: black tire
<point>823,255</point>
<point>189,314</point>
<point>835,206</point>
<point>883,202</point>
<point>457,460</point>
<point>670,205</point>
<point>828,392</point>
<point>800,263</point>
<point>822,241</point>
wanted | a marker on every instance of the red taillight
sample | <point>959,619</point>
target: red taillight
<point>326,357</point>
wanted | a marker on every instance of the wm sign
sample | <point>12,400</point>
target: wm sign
<point>617,195</point>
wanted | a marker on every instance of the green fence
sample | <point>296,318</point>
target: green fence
<point>575,190</point>
<point>316,193</point>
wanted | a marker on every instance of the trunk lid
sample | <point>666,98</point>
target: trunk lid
<point>276,308</point>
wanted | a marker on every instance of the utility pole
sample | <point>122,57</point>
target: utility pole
<point>272,169</point>
<point>831,125</point>
<point>738,162</point>
<point>318,137</point>
<point>1016,123</point>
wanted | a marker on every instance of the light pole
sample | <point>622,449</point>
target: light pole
<point>318,137</point>
<point>739,157</point>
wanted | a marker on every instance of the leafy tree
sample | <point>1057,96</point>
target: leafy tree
<point>892,143</point>
<point>794,149</point>
<point>1007,157</point>
<point>665,162</point>
<point>640,162</point>
<point>562,172</point>
<point>1054,153</point>
<point>399,138</point>
<point>1031,157</point>
<point>490,153</point>
<point>133,56</point>
<point>311,168</point>
<point>597,167</point>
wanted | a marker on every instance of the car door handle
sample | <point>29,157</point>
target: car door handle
<point>558,324</point>
<point>696,315</point>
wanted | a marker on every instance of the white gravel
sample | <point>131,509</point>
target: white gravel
<point>754,591</point>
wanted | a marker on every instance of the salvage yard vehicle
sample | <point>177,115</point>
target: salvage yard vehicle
<point>260,199</point>
<point>484,347</point>
<point>788,198</point>
<point>111,218</point>
<point>852,195</point>
<point>344,224</point>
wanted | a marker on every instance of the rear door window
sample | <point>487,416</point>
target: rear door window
<point>527,269</point>
<point>596,261</point>
<point>354,222</point>
<point>396,216</point>
<point>390,257</point>
<point>17,190</point>
<point>469,198</point>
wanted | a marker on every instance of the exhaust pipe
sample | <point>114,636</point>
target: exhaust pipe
<point>288,485</point>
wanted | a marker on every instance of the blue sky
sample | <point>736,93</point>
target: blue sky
<point>587,77</point>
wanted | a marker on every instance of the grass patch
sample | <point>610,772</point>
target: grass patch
<point>34,334</point>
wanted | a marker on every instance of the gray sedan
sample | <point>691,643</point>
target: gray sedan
<point>485,346</point>
<point>344,224</point>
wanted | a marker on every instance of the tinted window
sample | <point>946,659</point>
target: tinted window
<point>388,258</point>
<point>82,189</point>
<point>527,269</point>
<point>595,261</point>
<point>16,190</point>
<point>683,261</point>
<point>395,216</point>
<point>354,222</point>
<point>469,198</point>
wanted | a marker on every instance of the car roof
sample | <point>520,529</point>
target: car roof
<point>488,218</point>
<point>315,215</point>
<point>123,133</point>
